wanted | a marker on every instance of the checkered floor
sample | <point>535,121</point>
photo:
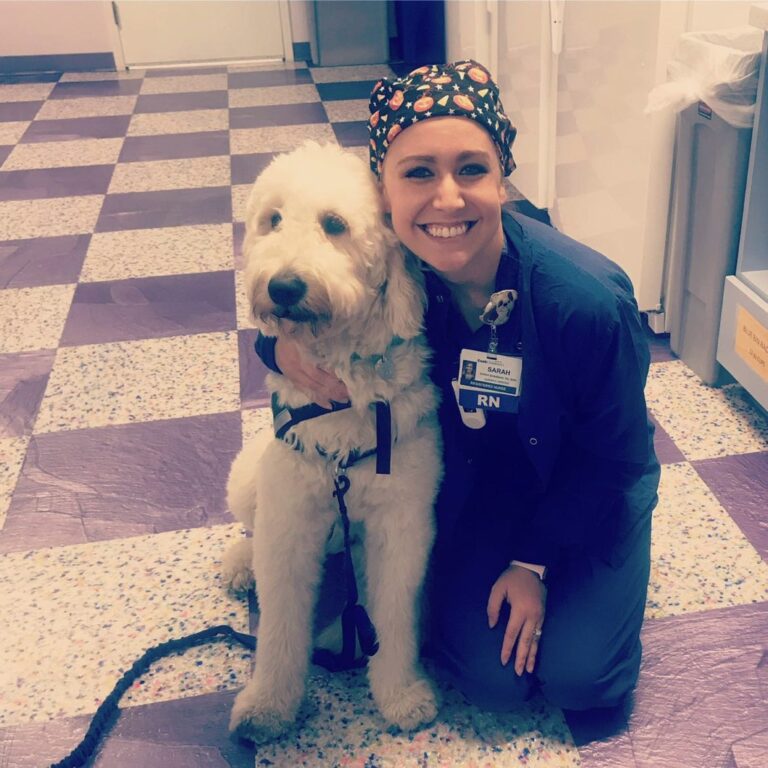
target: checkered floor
<point>127,383</point>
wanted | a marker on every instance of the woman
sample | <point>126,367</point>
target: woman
<point>542,556</point>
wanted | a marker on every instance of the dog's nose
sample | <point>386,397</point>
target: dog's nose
<point>286,290</point>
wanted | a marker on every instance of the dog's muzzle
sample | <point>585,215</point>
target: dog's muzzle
<point>286,290</point>
<point>286,296</point>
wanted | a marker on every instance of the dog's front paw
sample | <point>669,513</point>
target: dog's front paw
<point>257,719</point>
<point>236,570</point>
<point>410,707</point>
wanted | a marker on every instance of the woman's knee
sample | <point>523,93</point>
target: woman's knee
<point>588,680</point>
<point>471,661</point>
<point>488,685</point>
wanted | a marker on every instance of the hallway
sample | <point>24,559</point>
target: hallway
<point>127,383</point>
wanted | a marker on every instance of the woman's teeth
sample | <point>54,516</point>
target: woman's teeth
<point>439,230</point>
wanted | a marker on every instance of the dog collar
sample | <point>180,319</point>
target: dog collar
<point>284,418</point>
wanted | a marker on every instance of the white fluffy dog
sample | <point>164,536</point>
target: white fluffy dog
<point>323,268</point>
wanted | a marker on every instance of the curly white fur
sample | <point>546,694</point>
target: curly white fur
<point>314,216</point>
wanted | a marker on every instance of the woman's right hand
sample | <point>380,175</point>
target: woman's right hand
<point>314,382</point>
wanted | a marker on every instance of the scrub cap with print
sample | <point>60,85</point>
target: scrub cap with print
<point>463,88</point>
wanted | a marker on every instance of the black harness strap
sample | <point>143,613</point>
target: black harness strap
<point>284,417</point>
<point>383,438</point>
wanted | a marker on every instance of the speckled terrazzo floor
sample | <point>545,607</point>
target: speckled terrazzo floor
<point>127,382</point>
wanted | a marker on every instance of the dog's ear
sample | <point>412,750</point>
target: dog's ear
<point>404,293</point>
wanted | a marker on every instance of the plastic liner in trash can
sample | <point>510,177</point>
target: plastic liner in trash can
<point>720,68</point>
<point>713,87</point>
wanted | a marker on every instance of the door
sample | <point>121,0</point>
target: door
<point>522,59</point>
<point>182,32</point>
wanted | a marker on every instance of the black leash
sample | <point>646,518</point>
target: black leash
<point>354,618</point>
<point>107,712</point>
<point>355,621</point>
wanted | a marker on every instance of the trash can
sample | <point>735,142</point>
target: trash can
<point>713,86</point>
<point>351,32</point>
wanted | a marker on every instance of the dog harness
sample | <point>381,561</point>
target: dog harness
<point>284,418</point>
<point>355,622</point>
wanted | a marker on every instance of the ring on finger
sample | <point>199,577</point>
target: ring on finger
<point>537,633</point>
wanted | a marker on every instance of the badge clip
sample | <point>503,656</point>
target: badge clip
<point>497,311</point>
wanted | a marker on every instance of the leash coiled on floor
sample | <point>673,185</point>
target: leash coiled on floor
<point>355,623</point>
<point>105,714</point>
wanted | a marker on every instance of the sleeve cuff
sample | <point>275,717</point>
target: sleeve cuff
<point>265,349</point>
<point>539,570</point>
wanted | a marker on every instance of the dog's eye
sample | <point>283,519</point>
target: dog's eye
<point>275,219</point>
<point>333,224</point>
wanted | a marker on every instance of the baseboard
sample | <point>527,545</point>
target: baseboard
<point>57,62</point>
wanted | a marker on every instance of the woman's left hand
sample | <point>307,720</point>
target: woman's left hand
<point>526,595</point>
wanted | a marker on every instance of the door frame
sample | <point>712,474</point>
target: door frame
<point>110,19</point>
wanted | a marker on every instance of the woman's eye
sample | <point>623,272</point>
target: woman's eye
<point>333,224</point>
<point>474,169</point>
<point>418,173</point>
<point>275,219</point>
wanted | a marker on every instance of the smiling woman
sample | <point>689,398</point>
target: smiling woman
<point>542,557</point>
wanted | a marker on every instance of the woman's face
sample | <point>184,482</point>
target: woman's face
<point>442,186</point>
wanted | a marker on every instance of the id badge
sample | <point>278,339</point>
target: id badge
<point>489,381</point>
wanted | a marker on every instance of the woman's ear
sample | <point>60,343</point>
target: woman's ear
<point>502,192</point>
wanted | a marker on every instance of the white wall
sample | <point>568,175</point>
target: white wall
<point>34,27</point>
<point>50,27</point>
<point>718,14</point>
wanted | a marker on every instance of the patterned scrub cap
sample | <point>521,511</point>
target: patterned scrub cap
<point>463,88</point>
